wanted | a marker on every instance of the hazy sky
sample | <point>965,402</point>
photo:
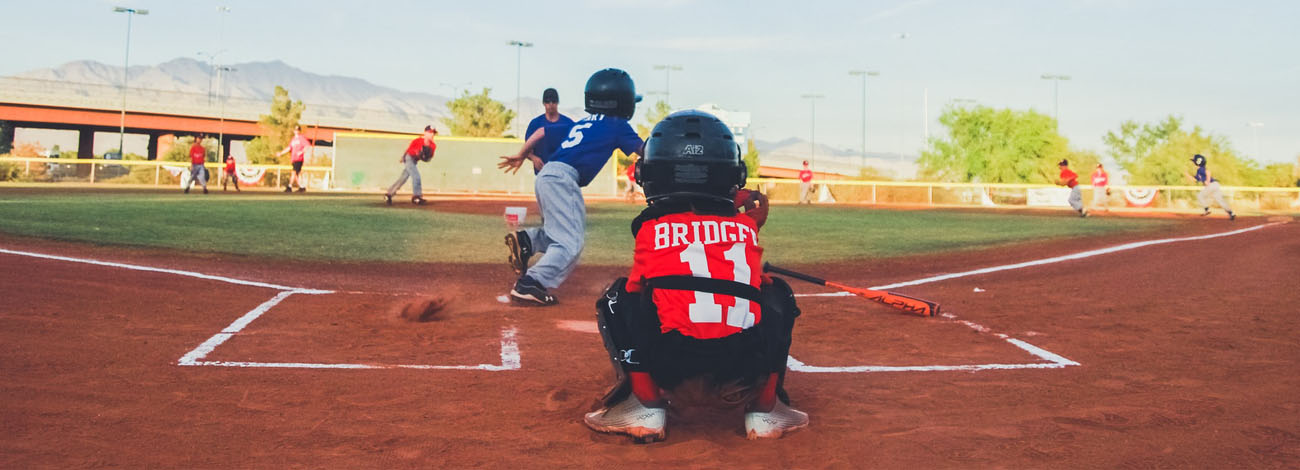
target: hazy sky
<point>1218,64</point>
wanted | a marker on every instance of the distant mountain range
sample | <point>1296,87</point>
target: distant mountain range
<point>257,81</point>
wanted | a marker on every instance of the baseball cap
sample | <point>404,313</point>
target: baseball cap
<point>1063,163</point>
<point>550,96</point>
<point>430,129</point>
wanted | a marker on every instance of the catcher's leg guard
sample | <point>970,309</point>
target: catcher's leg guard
<point>779,314</point>
<point>626,330</point>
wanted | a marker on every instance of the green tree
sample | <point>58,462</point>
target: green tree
<point>751,159</point>
<point>653,115</point>
<point>180,150</point>
<point>1133,141</point>
<point>990,145</point>
<point>478,115</point>
<point>277,129</point>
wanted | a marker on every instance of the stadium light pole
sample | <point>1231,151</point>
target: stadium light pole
<point>1254,128</point>
<point>519,53</point>
<point>668,72</point>
<point>221,128</point>
<point>864,74</point>
<point>1056,96</point>
<point>126,62</point>
<point>812,129</point>
<point>902,135</point>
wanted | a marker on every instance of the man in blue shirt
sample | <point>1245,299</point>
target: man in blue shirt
<point>551,103</point>
<point>581,149</point>
<point>1211,188</point>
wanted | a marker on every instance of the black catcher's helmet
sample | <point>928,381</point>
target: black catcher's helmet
<point>611,92</point>
<point>690,155</point>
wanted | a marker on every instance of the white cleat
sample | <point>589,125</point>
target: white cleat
<point>773,424</point>
<point>631,418</point>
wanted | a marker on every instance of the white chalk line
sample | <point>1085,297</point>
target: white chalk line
<point>510,354</point>
<point>510,360</point>
<point>167,271</point>
<point>1054,361</point>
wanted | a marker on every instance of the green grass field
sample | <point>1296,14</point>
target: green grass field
<point>320,227</point>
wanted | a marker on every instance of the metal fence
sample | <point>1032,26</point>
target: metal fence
<point>149,173</point>
<point>926,194</point>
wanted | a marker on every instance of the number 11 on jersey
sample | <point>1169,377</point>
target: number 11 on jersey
<point>706,309</point>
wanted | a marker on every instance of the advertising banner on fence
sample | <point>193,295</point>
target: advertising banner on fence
<point>1048,197</point>
<point>1140,197</point>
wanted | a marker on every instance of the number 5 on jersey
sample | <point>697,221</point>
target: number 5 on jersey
<point>575,135</point>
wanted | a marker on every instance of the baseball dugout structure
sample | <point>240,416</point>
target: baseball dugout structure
<point>369,162</point>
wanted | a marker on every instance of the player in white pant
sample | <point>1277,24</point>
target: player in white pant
<point>1211,188</point>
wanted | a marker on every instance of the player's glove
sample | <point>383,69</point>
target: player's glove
<point>1107,191</point>
<point>426,154</point>
<point>753,204</point>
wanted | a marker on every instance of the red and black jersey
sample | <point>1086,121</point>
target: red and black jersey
<point>708,248</point>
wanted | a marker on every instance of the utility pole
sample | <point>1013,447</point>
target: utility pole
<point>1056,96</point>
<point>221,129</point>
<point>126,63</point>
<point>864,74</point>
<point>812,129</point>
<point>668,72</point>
<point>519,53</point>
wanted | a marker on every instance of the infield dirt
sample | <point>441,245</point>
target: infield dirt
<point>1187,356</point>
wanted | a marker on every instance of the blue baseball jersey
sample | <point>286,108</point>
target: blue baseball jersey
<point>542,151</point>
<point>586,145</point>
<point>1200,175</point>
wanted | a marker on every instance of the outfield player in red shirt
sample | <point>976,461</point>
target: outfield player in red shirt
<point>1071,180</point>
<point>696,307</point>
<point>229,175</point>
<point>299,145</point>
<point>1100,188</point>
<point>420,149</point>
<point>198,155</point>
<point>805,184</point>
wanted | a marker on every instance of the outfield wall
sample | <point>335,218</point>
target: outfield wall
<point>370,162</point>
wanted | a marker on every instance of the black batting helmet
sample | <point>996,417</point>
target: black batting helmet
<point>690,155</point>
<point>1198,160</point>
<point>611,92</point>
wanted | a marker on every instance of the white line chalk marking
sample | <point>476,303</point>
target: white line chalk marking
<point>1054,361</point>
<point>509,359</point>
<point>166,271</point>
<point>510,356</point>
<point>1079,255</point>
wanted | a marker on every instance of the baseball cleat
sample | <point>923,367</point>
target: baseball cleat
<point>521,249</point>
<point>388,199</point>
<point>288,189</point>
<point>629,417</point>
<point>531,292</point>
<point>417,200</point>
<point>773,424</point>
<point>1207,212</point>
<point>302,189</point>
<point>1232,216</point>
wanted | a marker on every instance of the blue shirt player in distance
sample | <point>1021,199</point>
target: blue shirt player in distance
<point>551,104</point>
<point>583,149</point>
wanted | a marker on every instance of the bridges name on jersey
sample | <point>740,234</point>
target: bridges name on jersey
<point>689,244</point>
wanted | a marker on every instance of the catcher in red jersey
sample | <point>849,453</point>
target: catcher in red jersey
<point>696,306</point>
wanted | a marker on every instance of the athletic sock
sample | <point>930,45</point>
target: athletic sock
<point>644,387</point>
<point>766,399</point>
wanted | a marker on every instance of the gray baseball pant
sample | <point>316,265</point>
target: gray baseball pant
<point>1211,191</point>
<point>408,172</point>
<point>564,223</point>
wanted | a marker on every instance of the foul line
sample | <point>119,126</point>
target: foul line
<point>1079,255</point>
<point>510,355</point>
<point>1057,259</point>
<point>168,271</point>
<point>1054,361</point>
